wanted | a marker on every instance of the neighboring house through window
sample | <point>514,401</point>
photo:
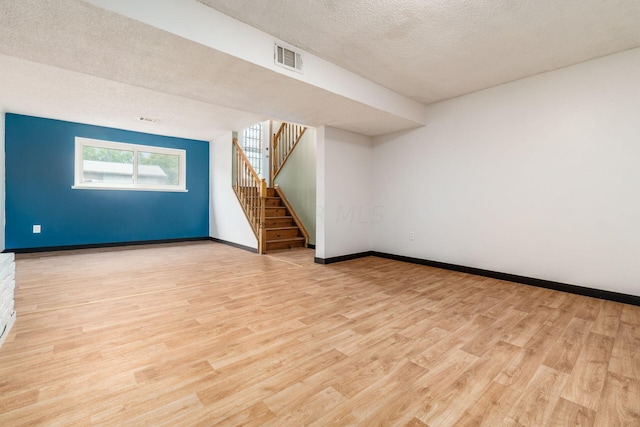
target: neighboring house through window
<point>109,165</point>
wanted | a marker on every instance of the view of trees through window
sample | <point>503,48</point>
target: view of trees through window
<point>107,155</point>
<point>168,163</point>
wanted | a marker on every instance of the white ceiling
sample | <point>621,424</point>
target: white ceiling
<point>42,90</point>
<point>71,60</point>
<point>431,50</point>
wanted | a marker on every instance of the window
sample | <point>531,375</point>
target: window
<point>252,146</point>
<point>107,165</point>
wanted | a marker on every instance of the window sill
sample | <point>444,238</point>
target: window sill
<point>129,188</point>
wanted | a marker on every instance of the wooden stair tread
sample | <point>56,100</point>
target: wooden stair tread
<point>288,227</point>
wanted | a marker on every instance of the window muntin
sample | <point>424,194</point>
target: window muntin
<point>109,165</point>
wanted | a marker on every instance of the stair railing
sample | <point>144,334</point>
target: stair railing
<point>251,191</point>
<point>282,144</point>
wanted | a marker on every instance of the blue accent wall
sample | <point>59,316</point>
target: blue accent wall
<point>40,172</point>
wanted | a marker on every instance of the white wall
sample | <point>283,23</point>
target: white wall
<point>540,178</point>
<point>343,192</point>
<point>227,220</point>
<point>297,179</point>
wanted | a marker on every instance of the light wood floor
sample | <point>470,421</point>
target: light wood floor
<point>205,334</point>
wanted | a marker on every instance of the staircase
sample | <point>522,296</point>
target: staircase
<point>281,229</point>
<point>272,219</point>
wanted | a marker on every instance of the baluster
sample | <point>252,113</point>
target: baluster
<point>282,136</point>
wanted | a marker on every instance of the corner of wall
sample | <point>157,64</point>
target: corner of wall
<point>344,192</point>
<point>320,192</point>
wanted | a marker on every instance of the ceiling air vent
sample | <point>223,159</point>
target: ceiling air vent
<point>288,58</point>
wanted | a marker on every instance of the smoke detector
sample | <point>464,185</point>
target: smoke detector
<point>147,119</point>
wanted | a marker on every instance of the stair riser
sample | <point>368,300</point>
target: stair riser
<point>284,245</point>
<point>282,234</point>
<point>274,203</point>
<point>279,222</point>
<point>269,212</point>
<point>270,202</point>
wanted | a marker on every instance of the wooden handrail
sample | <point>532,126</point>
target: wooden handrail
<point>280,129</point>
<point>282,145</point>
<point>240,151</point>
<point>295,217</point>
<point>251,191</point>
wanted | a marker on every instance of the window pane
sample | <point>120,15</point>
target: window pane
<point>252,146</point>
<point>110,165</point>
<point>107,165</point>
<point>158,169</point>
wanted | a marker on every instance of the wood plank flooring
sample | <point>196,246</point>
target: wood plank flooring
<point>205,334</point>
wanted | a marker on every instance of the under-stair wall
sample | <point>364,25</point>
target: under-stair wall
<point>297,180</point>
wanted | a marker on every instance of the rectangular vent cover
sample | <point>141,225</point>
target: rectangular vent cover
<point>287,58</point>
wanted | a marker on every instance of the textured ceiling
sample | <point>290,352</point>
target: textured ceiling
<point>431,50</point>
<point>72,60</point>
<point>68,60</point>
<point>76,36</point>
<point>45,91</point>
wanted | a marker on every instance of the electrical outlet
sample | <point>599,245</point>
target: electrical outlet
<point>412,235</point>
<point>37,228</point>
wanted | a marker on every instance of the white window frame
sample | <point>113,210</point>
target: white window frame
<point>79,183</point>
